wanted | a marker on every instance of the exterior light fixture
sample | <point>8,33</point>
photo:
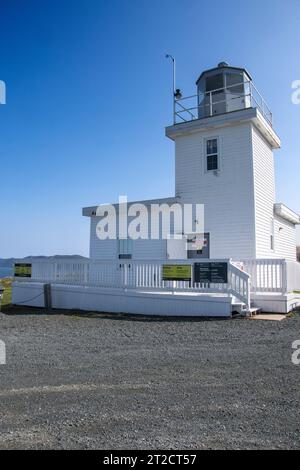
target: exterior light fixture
<point>177,94</point>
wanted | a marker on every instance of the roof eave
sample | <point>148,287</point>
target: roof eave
<point>92,210</point>
<point>224,68</point>
<point>281,210</point>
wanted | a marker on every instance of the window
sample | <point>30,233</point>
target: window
<point>216,82</point>
<point>272,235</point>
<point>125,248</point>
<point>234,83</point>
<point>212,158</point>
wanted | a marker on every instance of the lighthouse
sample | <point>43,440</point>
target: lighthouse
<point>225,140</point>
<point>239,257</point>
<point>224,157</point>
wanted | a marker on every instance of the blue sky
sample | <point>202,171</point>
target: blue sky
<point>88,97</point>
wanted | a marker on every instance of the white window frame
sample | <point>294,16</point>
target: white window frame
<point>125,248</point>
<point>207,139</point>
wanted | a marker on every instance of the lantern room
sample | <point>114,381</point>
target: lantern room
<point>222,90</point>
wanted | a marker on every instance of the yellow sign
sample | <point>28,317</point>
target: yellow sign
<point>177,272</point>
<point>23,270</point>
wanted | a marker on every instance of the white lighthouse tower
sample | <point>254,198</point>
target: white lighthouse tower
<point>224,142</point>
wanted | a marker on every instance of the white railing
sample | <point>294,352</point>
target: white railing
<point>293,276</point>
<point>273,275</point>
<point>244,277</point>
<point>268,275</point>
<point>239,284</point>
<point>220,101</point>
<point>146,275</point>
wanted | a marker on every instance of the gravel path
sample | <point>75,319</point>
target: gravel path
<point>92,381</point>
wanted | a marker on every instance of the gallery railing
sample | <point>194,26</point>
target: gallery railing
<point>220,101</point>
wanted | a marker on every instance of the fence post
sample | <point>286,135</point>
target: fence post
<point>284,278</point>
<point>47,298</point>
<point>85,273</point>
<point>248,287</point>
<point>55,272</point>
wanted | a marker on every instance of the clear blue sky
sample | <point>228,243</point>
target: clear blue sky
<point>88,97</point>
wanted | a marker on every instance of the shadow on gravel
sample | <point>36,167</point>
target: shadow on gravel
<point>14,310</point>
<point>142,318</point>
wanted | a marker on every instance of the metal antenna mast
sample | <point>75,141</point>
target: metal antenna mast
<point>169,56</point>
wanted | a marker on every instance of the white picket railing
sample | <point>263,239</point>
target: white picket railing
<point>267,275</point>
<point>253,276</point>
<point>273,275</point>
<point>146,275</point>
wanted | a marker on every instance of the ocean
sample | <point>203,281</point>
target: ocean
<point>6,272</point>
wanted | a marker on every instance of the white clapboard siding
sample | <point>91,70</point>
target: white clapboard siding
<point>285,239</point>
<point>149,249</point>
<point>264,191</point>
<point>142,249</point>
<point>101,249</point>
<point>228,197</point>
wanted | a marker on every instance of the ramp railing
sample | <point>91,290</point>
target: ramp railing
<point>133,274</point>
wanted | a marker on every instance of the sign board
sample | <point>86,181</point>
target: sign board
<point>211,273</point>
<point>177,272</point>
<point>197,242</point>
<point>198,245</point>
<point>22,270</point>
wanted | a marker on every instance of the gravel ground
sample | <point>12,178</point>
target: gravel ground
<point>113,382</point>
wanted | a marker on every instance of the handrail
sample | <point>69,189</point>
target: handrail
<point>253,96</point>
<point>228,86</point>
<point>267,275</point>
<point>187,110</point>
<point>240,284</point>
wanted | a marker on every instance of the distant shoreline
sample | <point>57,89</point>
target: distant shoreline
<point>6,272</point>
<point>7,264</point>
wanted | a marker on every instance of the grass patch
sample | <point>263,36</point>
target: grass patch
<point>6,299</point>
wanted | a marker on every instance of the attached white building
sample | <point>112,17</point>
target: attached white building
<point>224,160</point>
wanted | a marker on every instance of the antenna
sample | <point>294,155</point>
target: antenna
<point>169,56</point>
